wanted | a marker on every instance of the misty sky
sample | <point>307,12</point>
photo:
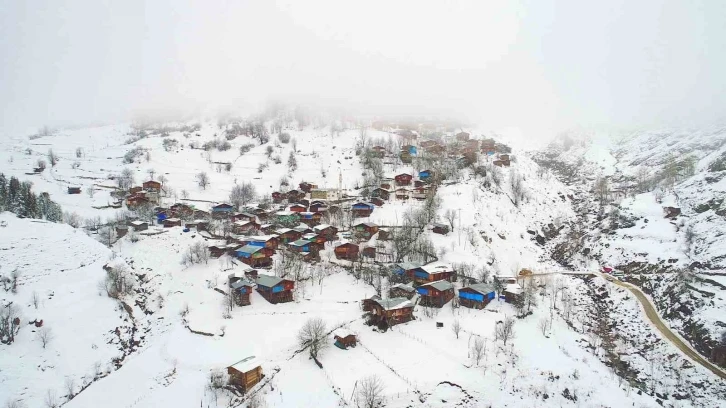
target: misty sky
<point>533,64</point>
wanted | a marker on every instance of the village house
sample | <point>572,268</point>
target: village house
<point>362,209</point>
<point>242,290</point>
<point>436,294</point>
<point>200,225</point>
<point>286,235</point>
<point>307,187</point>
<point>151,185</point>
<point>344,338</point>
<point>298,208</point>
<point>222,211</point>
<point>407,269</point>
<point>254,256</point>
<point>402,194</point>
<point>318,206</point>
<point>348,251</point>
<point>277,197</point>
<point>328,232</point>
<point>384,234</point>
<point>439,228</point>
<point>425,175</point>
<point>369,251</point>
<point>426,144</point>
<point>409,149</point>
<point>476,296</point>
<point>136,199</point>
<point>377,202</point>
<point>403,179</point>
<point>217,250</point>
<point>314,238</point>
<point>300,246</point>
<point>310,218</point>
<point>135,189</point>
<point>434,271</point>
<point>275,289</point>
<point>293,196</point>
<point>266,241</point>
<point>245,373</point>
<point>243,216</point>
<point>436,149</point>
<point>367,303</point>
<point>488,147</point>
<point>268,228</point>
<point>303,229</point>
<point>390,312</point>
<point>406,158</point>
<point>401,290</point>
<point>121,230</point>
<point>502,161</point>
<point>181,210</point>
<point>365,230</point>
<point>74,190</point>
<point>462,136</point>
<point>512,293</point>
<point>287,217</point>
<point>244,227</point>
<point>139,225</point>
<point>172,222</point>
<point>387,183</point>
<point>381,193</point>
<point>379,151</point>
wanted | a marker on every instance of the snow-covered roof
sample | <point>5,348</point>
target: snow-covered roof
<point>367,224</point>
<point>300,242</point>
<point>408,265</point>
<point>268,281</point>
<point>513,288</point>
<point>247,364</point>
<point>342,333</point>
<point>394,303</point>
<point>242,223</point>
<point>240,283</point>
<point>249,249</point>
<point>483,288</point>
<point>283,230</point>
<point>440,225</point>
<point>137,223</point>
<point>262,238</point>
<point>321,227</point>
<point>437,267</point>
<point>440,285</point>
<point>284,213</point>
<point>403,286</point>
<point>173,219</point>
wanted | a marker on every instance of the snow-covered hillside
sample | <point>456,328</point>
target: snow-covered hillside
<point>176,326</point>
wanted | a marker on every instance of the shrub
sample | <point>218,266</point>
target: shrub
<point>284,137</point>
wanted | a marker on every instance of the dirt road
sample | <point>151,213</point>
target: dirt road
<point>654,317</point>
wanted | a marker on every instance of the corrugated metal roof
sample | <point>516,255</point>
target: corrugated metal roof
<point>249,249</point>
<point>483,288</point>
<point>394,303</point>
<point>240,283</point>
<point>408,265</point>
<point>247,364</point>
<point>268,281</point>
<point>441,285</point>
<point>300,242</point>
<point>407,288</point>
<point>437,267</point>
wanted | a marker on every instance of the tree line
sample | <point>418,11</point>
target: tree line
<point>18,197</point>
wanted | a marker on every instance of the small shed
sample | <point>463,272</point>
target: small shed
<point>439,228</point>
<point>74,190</point>
<point>245,373</point>
<point>242,291</point>
<point>139,225</point>
<point>512,293</point>
<point>172,222</point>
<point>122,230</point>
<point>401,290</point>
<point>344,338</point>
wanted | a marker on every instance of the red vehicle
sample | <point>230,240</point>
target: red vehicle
<point>607,269</point>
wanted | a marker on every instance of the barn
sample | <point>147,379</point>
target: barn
<point>245,373</point>
<point>275,289</point>
<point>347,251</point>
<point>344,338</point>
<point>476,296</point>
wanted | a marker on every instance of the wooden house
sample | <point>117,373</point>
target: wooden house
<point>181,210</point>
<point>217,250</point>
<point>402,194</point>
<point>139,225</point>
<point>265,241</point>
<point>365,230</point>
<point>488,147</point>
<point>403,179</point>
<point>328,232</point>
<point>200,225</point>
<point>381,193</point>
<point>436,294</point>
<point>298,208</point>
<point>135,189</point>
<point>244,216</point>
<point>311,218</point>
<point>245,374</point>
<point>151,185</point>
<point>172,222</point>
<point>401,290</point>
<point>378,151</point>
<point>462,137</point>
<point>439,228</point>
<point>242,291</point>
<point>223,210</point>
<point>293,196</point>
<point>367,303</point>
<point>303,229</point>
<point>344,338</point>
<point>407,269</point>
<point>409,149</point>
<point>245,227</point>
<point>426,144</point>
<point>254,256</point>
<point>362,209</point>
<point>318,206</point>
<point>435,271</point>
<point>387,183</point>
<point>316,239</point>
<point>268,228</point>
<point>512,293</point>
<point>348,251</point>
<point>406,158</point>
<point>476,296</point>
<point>369,252</point>
<point>74,190</point>
<point>277,197</point>
<point>121,230</point>
<point>390,312</point>
<point>287,235</point>
<point>307,187</point>
<point>287,217</point>
<point>300,246</point>
<point>275,289</point>
<point>384,234</point>
<point>321,194</point>
<point>377,202</point>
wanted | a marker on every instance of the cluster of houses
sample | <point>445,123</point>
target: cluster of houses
<point>148,193</point>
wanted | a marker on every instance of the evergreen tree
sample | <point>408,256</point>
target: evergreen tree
<point>3,192</point>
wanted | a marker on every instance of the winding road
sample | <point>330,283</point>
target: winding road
<point>655,318</point>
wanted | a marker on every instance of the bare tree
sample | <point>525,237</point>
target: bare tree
<point>370,392</point>
<point>202,180</point>
<point>52,158</point>
<point>228,304</point>
<point>292,161</point>
<point>544,325</point>
<point>35,299</point>
<point>45,335</point>
<point>70,385</point>
<point>126,179</point>
<point>15,403</point>
<point>505,329</point>
<point>242,194</point>
<point>9,323</point>
<point>456,328</point>
<point>450,216</point>
<point>518,190</point>
<point>151,173</point>
<point>216,382</point>
<point>79,152</point>
<point>51,400</point>
<point>72,219</point>
<point>478,349</point>
<point>41,164</point>
<point>107,235</point>
<point>312,336</point>
<point>90,191</point>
